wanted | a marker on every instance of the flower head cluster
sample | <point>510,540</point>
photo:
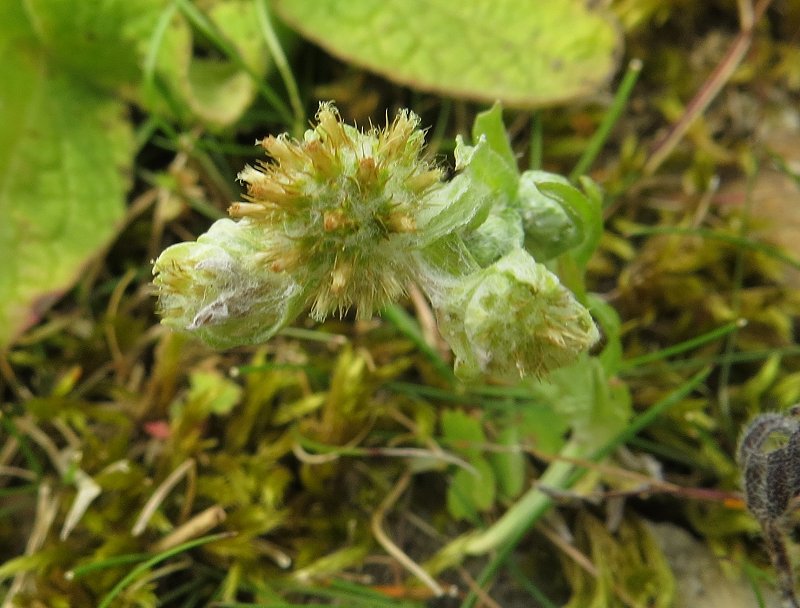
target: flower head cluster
<point>340,209</point>
<point>345,219</point>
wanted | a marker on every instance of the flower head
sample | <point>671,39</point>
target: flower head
<point>340,209</point>
<point>217,288</point>
<point>512,319</point>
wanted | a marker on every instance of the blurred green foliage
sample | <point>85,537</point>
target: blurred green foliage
<point>254,476</point>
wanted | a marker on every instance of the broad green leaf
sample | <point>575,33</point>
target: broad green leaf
<point>469,492</point>
<point>597,406</point>
<point>520,52</point>
<point>213,392</point>
<point>65,152</point>
<point>462,432</point>
<point>96,40</point>
<point>543,427</point>
<point>509,465</point>
<point>109,42</point>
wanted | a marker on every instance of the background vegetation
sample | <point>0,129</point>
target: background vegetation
<point>341,463</point>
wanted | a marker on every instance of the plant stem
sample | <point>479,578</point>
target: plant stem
<point>507,531</point>
<point>518,519</point>
<point>510,528</point>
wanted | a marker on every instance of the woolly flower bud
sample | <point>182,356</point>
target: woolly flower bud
<point>342,210</point>
<point>513,319</point>
<point>217,289</point>
<point>550,227</point>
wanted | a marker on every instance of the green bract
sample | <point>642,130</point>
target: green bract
<point>550,227</point>
<point>347,219</point>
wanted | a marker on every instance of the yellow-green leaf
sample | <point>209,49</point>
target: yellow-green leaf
<point>95,40</point>
<point>65,152</point>
<point>521,52</point>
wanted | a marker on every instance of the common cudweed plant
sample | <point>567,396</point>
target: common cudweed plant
<point>346,219</point>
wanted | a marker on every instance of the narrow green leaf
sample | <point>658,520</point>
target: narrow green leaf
<point>213,89</point>
<point>142,568</point>
<point>23,563</point>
